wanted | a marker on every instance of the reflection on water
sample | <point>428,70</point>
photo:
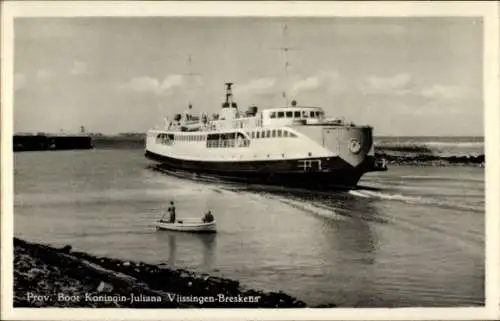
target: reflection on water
<point>197,243</point>
<point>209,243</point>
<point>172,249</point>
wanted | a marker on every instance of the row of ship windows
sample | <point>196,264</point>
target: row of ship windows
<point>296,114</point>
<point>269,133</point>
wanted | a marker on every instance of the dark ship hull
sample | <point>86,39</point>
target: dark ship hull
<point>322,173</point>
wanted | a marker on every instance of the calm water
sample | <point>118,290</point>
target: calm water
<point>416,239</point>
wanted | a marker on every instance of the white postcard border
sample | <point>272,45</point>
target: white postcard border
<point>488,10</point>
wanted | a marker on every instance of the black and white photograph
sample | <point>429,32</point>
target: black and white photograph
<point>246,161</point>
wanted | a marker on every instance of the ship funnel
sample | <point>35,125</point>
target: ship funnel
<point>229,107</point>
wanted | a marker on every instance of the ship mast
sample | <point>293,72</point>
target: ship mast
<point>285,50</point>
<point>285,54</point>
<point>190,74</point>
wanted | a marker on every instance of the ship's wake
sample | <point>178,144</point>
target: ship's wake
<point>296,196</point>
<point>310,207</point>
<point>418,200</point>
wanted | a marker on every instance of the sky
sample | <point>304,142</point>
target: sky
<point>403,76</point>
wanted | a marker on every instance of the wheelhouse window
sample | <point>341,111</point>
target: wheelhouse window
<point>296,114</point>
<point>273,115</point>
<point>305,114</point>
<point>311,113</point>
<point>289,114</point>
<point>281,114</point>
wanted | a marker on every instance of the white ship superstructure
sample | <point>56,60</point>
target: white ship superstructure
<point>294,145</point>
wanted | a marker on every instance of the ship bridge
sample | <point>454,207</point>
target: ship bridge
<point>295,115</point>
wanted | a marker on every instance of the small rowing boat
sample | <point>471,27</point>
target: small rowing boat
<point>187,225</point>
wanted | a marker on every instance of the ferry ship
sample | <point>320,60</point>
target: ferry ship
<point>296,146</point>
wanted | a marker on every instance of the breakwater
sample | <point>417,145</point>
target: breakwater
<point>421,155</point>
<point>432,160</point>
<point>51,142</point>
<point>59,277</point>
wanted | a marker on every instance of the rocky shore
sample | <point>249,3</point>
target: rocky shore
<point>415,155</point>
<point>45,276</point>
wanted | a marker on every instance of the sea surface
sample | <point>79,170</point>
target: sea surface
<point>412,236</point>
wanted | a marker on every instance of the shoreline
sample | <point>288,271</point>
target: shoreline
<point>46,276</point>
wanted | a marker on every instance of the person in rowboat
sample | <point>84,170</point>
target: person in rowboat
<point>171,214</point>
<point>208,217</point>
<point>171,211</point>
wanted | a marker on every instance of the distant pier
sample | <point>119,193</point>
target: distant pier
<point>42,141</point>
